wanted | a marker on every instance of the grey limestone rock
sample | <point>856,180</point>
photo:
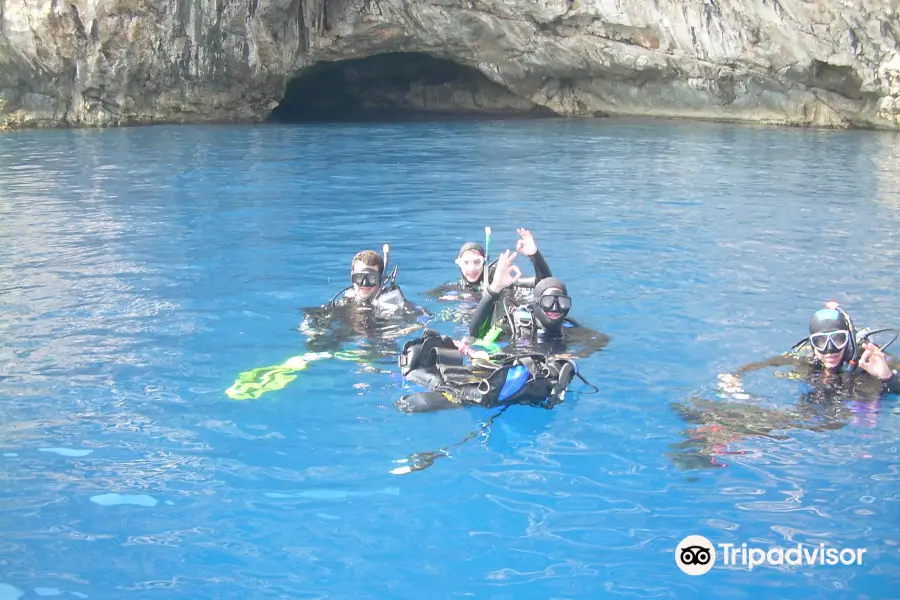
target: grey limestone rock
<point>829,63</point>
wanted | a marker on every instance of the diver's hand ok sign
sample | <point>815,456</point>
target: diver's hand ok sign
<point>526,244</point>
<point>505,274</point>
<point>875,362</point>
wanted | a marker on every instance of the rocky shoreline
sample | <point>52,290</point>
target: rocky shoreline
<point>829,63</point>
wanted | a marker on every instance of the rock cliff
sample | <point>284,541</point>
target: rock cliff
<point>832,63</point>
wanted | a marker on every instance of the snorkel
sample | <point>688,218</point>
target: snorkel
<point>487,255</point>
<point>389,280</point>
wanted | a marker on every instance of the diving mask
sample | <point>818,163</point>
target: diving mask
<point>830,342</point>
<point>555,303</point>
<point>366,279</point>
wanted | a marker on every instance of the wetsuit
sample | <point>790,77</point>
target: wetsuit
<point>375,327</point>
<point>522,322</point>
<point>826,384</point>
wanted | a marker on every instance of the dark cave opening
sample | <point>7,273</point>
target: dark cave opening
<point>398,86</point>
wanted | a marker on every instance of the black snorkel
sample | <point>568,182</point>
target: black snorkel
<point>863,339</point>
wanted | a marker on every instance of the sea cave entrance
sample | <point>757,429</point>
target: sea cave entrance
<point>398,86</point>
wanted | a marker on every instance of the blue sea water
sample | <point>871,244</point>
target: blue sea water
<point>143,269</point>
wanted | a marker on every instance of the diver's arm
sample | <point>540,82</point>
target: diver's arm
<point>484,313</point>
<point>526,283</point>
<point>541,268</point>
<point>731,382</point>
<point>782,360</point>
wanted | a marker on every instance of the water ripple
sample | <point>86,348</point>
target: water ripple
<point>143,269</point>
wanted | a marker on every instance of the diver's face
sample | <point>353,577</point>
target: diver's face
<point>555,304</point>
<point>366,280</point>
<point>829,347</point>
<point>471,265</point>
<point>830,361</point>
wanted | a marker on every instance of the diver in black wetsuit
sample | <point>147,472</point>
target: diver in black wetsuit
<point>829,359</point>
<point>843,377</point>
<point>543,324</point>
<point>471,261</point>
<point>372,311</point>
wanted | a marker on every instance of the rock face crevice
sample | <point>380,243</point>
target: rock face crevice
<point>830,63</point>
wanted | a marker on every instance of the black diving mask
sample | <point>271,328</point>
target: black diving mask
<point>830,342</point>
<point>366,279</point>
<point>555,303</point>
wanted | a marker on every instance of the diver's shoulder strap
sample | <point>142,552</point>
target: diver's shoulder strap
<point>334,299</point>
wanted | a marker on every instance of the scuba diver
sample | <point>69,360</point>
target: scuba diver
<point>371,314</point>
<point>371,310</point>
<point>475,271</point>
<point>835,393</point>
<point>829,358</point>
<point>542,324</point>
<point>368,285</point>
<point>471,262</point>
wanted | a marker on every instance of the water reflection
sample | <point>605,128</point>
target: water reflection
<point>886,166</point>
<point>147,267</point>
<point>726,424</point>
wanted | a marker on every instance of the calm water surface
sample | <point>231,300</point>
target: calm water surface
<point>142,269</point>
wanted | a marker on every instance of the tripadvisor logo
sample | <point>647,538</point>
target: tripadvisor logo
<point>696,555</point>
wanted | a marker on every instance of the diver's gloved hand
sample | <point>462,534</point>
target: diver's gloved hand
<point>875,362</point>
<point>505,274</point>
<point>526,244</point>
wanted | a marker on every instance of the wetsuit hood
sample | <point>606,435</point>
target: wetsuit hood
<point>465,283</point>
<point>828,319</point>
<point>471,246</point>
<point>834,319</point>
<point>542,286</point>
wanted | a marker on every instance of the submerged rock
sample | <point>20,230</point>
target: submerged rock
<point>831,63</point>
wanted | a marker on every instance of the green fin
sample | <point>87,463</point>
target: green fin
<point>252,384</point>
